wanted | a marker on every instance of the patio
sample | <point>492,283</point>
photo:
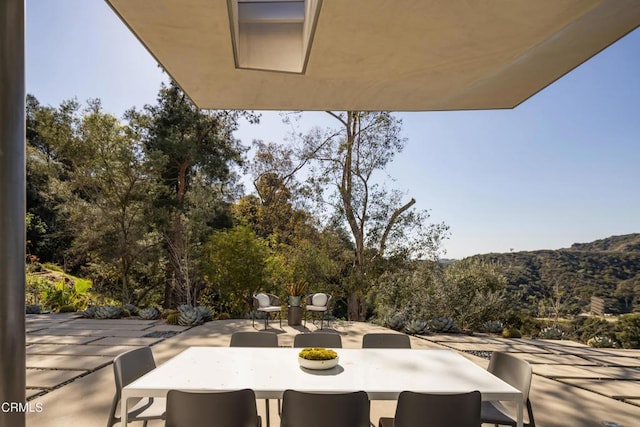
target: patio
<point>69,367</point>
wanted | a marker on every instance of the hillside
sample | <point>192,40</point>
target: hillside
<point>625,243</point>
<point>608,268</point>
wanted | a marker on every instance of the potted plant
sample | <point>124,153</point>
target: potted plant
<point>317,358</point>
<point>296,288</point>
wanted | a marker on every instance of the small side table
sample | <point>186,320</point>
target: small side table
<point>294,316</point>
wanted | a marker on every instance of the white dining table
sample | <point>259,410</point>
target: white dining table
<point>382,373</point>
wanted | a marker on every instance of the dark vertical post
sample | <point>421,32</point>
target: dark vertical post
<point>12,212</point>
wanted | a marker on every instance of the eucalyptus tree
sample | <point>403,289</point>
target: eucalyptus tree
<point>348,168</point>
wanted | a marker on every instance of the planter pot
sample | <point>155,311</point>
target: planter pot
<point>294,316</point>
<point>318,364</point>
<point>294,301</point>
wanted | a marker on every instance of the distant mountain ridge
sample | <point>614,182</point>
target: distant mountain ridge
<point>624,243</point>
<point>584,270</point>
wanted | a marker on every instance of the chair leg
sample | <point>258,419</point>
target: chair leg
<point>532,422</point>
<point>266,407</point>
<point>112,416</point>
<point>266,321</point>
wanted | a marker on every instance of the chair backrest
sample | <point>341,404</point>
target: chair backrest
<point>320,410</point>
<point>515,372</point>
<point>318,299</point>
<point>129,366</point>
<point>438,410</point>
<point>263,299</point>
<point>225,409</point>
<point>253,339</point>
<point>385,340</point>
<point>317,339</point>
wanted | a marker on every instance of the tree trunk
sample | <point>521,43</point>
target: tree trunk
<point>353,311</point>
<point>125,281</point>
<point>173,285</point>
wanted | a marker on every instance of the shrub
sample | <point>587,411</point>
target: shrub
<point>33,309</point>
<point>189,316</point>
<point>166,313</point>
<point>601,342</point>
<point>125,313</point>
<point>132,309</point>
<point>405,294</point>
<point>628,330</point>
<point>589,327</point>
<point>415,327</point>
<point>205,313</point>
<point>469,291</point>
<point>67,309</point>
<point>149,313</point>
<point>493,326</point>
<point>511,333</point>
<point>224,316</point>
<point>35,287</point>
<point>90,312</point>
<point>443,324</point>
<point>530,326</point>
<point>474,292</point>
<point>551,333</point>
<point>172,319</point>
<point>394,322</point>
<point>107,312</point>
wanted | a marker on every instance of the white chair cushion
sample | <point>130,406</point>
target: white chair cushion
<point>269,309</point>
<point>319,299</point>
<point>316,308</point>
<point>263,300</point>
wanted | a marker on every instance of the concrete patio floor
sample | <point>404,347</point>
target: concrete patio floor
<point>69,367</point>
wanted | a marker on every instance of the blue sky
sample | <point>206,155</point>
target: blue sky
<point>561,168</point>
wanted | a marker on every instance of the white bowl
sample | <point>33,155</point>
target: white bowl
<point>318,364</point>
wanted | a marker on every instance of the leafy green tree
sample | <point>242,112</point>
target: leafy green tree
<point>628,330</point>
<point>50,131</point>
<point>236,268</point>
<point>113,193</point>
<point>189,145</point>
<point>628,291</point>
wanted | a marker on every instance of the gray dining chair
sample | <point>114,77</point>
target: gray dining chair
<point>386,340</point>
<point>224,409</point>
<point>436,410</point>
<point>256,339</point>
<point>128,367</point>
<point>317,339</point>
<point>517,373</point>
<point>317,303</point>
<point>267,303</point>
<point>301,409</point>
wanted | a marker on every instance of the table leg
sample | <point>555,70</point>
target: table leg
<point>267,412</point>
